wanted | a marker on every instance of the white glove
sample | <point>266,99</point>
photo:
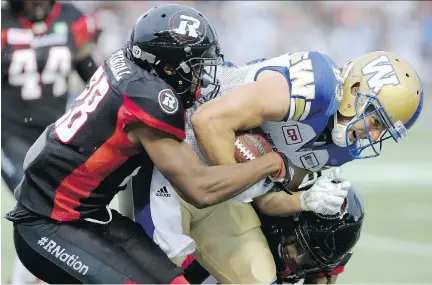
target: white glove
<point>325,197</point>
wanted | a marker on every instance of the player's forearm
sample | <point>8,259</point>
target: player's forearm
<point>201,185</point>
<point>216,143</point>
<point>216,122</point>
<point>220,183</point>
<point>279,204</point>
<point>85,68</point>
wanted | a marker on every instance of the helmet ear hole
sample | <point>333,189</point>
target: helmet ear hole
<point>169,69</point>
<point>355,87</point>
<point>357,84</point>
<point>407,75</point>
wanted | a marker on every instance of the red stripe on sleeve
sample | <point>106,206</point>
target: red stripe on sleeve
<point>3,37</point>
<point>82,31</point>
<point>151,121</point>
<point>189,259</point>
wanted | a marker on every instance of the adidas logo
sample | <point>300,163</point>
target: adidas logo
<point>163,192</point>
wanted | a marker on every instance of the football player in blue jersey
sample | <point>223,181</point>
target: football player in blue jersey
<point>318,115</point>
<point>296,98</point>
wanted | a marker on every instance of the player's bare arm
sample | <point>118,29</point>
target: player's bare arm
<point>279,204</point>
<point>320,198</point>
<point>85,64</point>
<point>243,108</point>
<point>201,185</point>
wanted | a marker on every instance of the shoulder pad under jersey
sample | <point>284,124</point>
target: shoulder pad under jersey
<point>8,20</point>
<point>70,12</point>
<point>150,99</point>
<point>156,104</point>
<point>314,80</point>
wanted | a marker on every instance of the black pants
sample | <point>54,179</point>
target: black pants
<point>82,252</point>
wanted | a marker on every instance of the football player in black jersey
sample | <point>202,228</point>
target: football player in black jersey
<point>128,120</point>
<point>42,43</point>
<point>312,246</point>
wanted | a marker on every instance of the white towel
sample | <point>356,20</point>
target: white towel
<point>166,214</point>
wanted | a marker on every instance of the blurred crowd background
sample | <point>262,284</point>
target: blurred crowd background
<point>396,245</point>
<point>252,29</point>
<point>248,30</point>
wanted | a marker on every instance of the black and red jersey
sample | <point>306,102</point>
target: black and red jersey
<point>36,61</point>
<point>80,162</point>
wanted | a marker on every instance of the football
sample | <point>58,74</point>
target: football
<point>250,145</point>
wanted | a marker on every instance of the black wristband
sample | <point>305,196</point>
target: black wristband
<point>289,172</point>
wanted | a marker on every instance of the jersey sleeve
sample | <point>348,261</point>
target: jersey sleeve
<point>313,79</point>
<point>83,27</point>
<point>155,104</point>
<point>3,38</point>
<point>328,85</point>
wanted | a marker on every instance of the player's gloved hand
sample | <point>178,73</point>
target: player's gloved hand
<point>309,180</point>
<point>325,197</point>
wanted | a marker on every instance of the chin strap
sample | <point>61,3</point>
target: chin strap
<point>339,133</point>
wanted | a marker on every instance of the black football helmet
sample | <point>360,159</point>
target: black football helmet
<point>181,45</point>
<point>33,10</point>
<point>323,240</point>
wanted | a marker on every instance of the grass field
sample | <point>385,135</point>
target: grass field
<point>396,243</point>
